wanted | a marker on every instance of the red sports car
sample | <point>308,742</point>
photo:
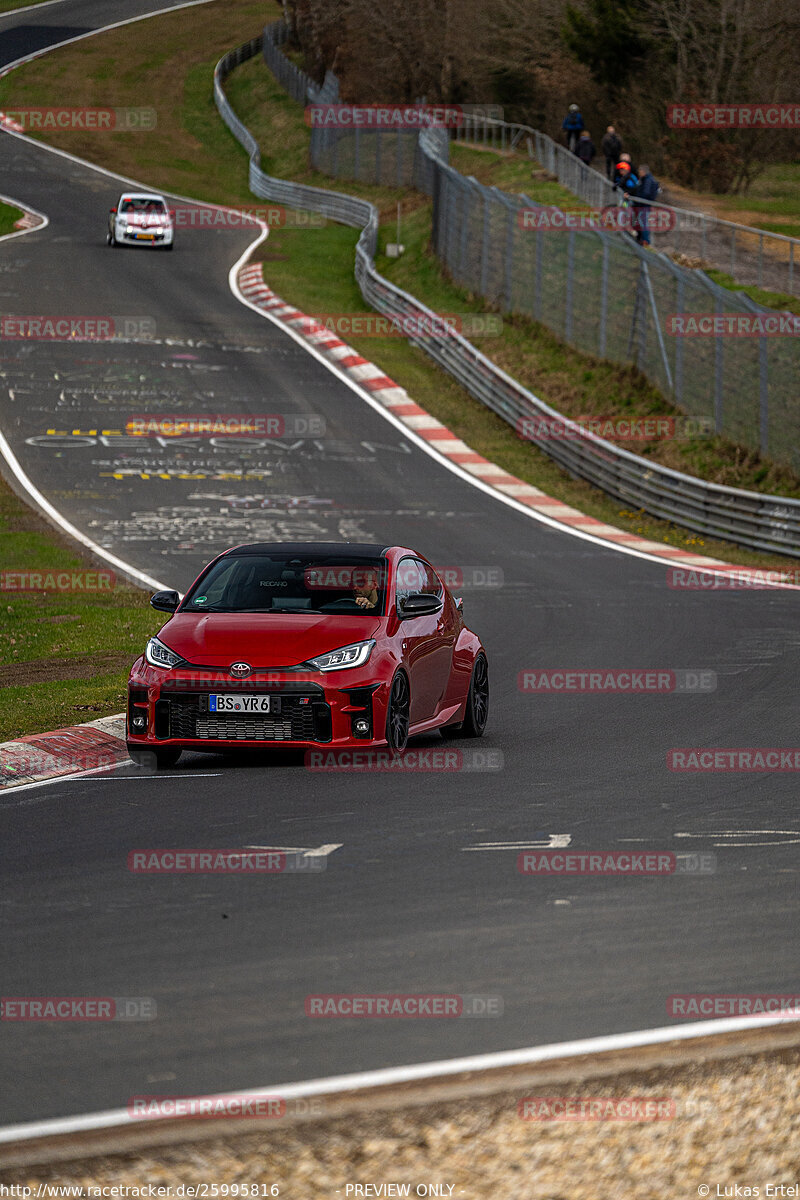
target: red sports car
<point>307,644</point>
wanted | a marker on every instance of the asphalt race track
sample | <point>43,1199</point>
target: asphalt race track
<point>407,903</point>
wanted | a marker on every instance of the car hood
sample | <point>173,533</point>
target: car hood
<point>218,639</point>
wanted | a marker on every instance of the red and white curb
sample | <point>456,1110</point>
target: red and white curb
<point>30,219</point>
<point>393,397</point>
<point>97,745</point>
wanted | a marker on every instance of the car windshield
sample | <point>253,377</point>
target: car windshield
<point>335,585</point>
<point>142,204</point>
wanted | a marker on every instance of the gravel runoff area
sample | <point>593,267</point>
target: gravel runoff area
<point>723,1122</point>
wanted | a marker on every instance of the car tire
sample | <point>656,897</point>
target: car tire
<point>149,760</point>
<point>110,239</point>
<point>477,710</point>
<point>170,246</point>
<point>398,714</point>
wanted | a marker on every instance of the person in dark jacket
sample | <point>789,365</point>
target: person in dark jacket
<point>646,189</point>
<point>612,148</point>
<point>585,149</point>
<point>572,126</point>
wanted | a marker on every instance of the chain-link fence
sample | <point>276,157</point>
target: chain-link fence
<point>749,255</point>
<point>599,291</point>
<point>752,519</point>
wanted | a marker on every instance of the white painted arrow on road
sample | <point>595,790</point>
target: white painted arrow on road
<point>306,851</point>
<point>552,841</point>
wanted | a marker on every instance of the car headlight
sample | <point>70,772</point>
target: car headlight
<point>159,655</point>
<point>347,656</point>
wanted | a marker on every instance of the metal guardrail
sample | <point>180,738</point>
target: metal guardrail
<point>763,522</point>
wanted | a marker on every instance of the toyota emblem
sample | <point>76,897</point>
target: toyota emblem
<point>241,669</point>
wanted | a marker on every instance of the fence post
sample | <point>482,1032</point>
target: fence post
<point>763,390</point>
<point>570,280</point>
<point>601,337</point>
<point>511,210</point>
<point>718,373</point>
<point>465,191</point>
<point>679,307</point>
<point>791,268</point>
<point>485,246</point>
<point>537,300</point>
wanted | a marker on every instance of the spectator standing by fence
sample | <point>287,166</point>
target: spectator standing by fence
<point>572,126</point>
<point>585,149</point>
<point>646,189</point>
<point>612,148</point>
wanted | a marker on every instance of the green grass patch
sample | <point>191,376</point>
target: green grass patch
<point>780,300</point>
<point>8,6</point>
<point>64,656</point>
<point>513,171</point>
<point>8,218</point>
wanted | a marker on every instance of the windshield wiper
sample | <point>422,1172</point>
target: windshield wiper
<point>294,610</point>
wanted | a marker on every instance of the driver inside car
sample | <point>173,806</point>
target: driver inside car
<point>366,593</point>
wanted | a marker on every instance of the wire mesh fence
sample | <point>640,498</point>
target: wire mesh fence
<point>757,520</point>
<point>601,292</point>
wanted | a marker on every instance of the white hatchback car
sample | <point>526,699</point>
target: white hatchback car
<point>141,218</point>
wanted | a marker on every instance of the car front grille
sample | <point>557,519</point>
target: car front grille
<point>189,718</point>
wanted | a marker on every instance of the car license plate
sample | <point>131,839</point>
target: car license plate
<point>144,237</point>
<point>229,702</point>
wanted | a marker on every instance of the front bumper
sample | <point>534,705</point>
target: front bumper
<point>156,238</point>
<point>307,712</point>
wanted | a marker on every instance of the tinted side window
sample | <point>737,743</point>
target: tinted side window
<point>409,579</point>
<point>430,584</point>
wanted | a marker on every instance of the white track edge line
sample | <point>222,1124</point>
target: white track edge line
<point>71,530</point>
<point>388,1076</point>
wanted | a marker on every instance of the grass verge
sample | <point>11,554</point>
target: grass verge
<point>64,656</point>
<point>8,218</point>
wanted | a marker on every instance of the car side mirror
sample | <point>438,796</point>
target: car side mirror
<point>420,605</point>
<point>165,601</point>
<point>112,210</point>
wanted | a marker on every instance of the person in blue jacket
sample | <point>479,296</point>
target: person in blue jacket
<point>572,126</point>
<point>646,189</point>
